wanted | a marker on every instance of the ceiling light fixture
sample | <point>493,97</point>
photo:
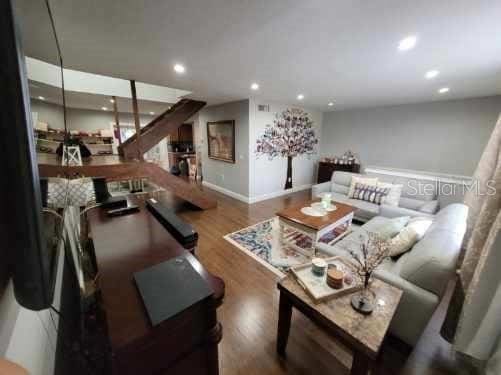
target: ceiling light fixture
<point>443,90</point>
<point>254,86</point>
<point>41,98</point>
<point>104,108</point>
<point>300,97</point>
<point>178,68</point>
<point>152,113</point>
<point>330,104</point>
<point>407,43</point>
<point>430,74</point>
<point>112,100</point>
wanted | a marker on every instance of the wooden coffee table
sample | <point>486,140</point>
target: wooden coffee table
<point>335,222</point>
<point>364,334</point>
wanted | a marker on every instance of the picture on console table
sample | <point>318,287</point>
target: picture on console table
<point>221,140</point>
<point>292,134</point>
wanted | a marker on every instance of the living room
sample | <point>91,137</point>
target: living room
<point>334,210</point>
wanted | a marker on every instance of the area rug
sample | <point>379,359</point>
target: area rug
<point>262,242</point>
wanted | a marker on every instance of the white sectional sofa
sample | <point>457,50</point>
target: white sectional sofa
<point>416,197</point>
<point>422,273</point>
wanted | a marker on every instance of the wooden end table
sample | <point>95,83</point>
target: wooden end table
<point>314,227</point>
<point>364,334</point>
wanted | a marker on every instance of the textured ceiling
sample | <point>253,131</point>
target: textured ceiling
<point>332,50</point>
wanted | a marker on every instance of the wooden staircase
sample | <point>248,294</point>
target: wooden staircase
<point>160,127</point>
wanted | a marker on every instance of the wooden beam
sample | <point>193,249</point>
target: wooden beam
<point>117,120</point>
<point>137,124</point>
<point>134,170</point>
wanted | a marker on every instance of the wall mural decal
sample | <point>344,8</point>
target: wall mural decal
<point>291,134</point>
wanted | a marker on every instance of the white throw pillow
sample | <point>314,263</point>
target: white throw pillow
<point>403,241</point>
<point>420,225</point>
<point>360,180</point>
<point>393,196</point>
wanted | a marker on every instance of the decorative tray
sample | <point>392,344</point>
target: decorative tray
<point>316,286</point>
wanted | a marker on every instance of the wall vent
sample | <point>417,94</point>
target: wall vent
<point>263,108</point>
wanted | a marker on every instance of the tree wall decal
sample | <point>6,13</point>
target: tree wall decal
<point>291,134</point>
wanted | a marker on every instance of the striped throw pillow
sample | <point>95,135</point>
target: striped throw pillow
<point>370,193</point>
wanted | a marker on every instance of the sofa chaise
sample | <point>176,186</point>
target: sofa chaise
<point>422,273</point>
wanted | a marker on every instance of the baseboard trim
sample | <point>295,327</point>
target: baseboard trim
<point>225,191</point>
<point>259,198</point>
<point>275,194</point>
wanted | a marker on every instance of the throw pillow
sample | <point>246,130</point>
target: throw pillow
<point>370,193</point>
<point>403,241</point>
<point>429,207</point>
<point>360,180</point>
<point>393,196</point>
<point>391,227</point>
<point>420,225</point>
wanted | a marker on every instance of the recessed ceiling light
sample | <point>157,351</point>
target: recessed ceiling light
<point>431,74</point>
<point>407,43</point>
<point>104,108</point>
<point>152,113</point>
<point>41,98</point>
<point>330,104</point>
<point>255,86</point>
<point>178,68</point>
<point>300,97</point>
<point>112,100</point>
<point>443,90</point>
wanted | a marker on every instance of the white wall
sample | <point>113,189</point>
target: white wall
<point>267,177</point>
<point>233,178</point>
<point>27,337</point>
<point>445,137</point>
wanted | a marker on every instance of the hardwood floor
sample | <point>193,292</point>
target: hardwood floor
<point>250,310</point>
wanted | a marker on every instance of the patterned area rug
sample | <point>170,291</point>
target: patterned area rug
<point>261,241</point>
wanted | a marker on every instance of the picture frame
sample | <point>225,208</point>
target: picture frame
<point>221,140</point>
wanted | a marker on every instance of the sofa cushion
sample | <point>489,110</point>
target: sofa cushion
<point>429,207</point>
<point>365,210</point>
<point>392,227</point>
<point>410,203</point>
<point>370,193</point>
<point>360,180</point>
<point>403,241</point>
<point>432,261</point>
<point>342,178</point>
<point>341,189</point>
<point>394,193</point>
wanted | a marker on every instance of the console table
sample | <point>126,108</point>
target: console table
<point>186,343</point>
<point>325,170</point>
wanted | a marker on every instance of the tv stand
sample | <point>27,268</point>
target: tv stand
<point>186,343</point>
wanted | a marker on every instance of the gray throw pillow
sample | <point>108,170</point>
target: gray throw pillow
<point>391,227</point>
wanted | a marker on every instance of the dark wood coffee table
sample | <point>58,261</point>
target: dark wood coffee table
<point>314,227</point>
<point>364,334</point>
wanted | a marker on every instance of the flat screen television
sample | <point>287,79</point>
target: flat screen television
<point>26,254</point>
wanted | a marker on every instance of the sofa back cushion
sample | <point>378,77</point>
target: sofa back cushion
<point>341,181</point>
<point>432,261</point>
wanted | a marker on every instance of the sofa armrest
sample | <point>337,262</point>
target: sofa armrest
<point>417,306</point>
<point>316,190</point>
<point>393,211</point>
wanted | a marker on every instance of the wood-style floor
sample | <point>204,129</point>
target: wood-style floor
<point>250,310</point>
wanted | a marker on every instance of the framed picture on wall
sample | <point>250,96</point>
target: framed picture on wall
<point>221,140</point>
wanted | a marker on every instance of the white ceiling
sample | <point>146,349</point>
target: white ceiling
<point>330,50</point>
<point>95,102</point>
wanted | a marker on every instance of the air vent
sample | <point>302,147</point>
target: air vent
<point>263,108</point>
